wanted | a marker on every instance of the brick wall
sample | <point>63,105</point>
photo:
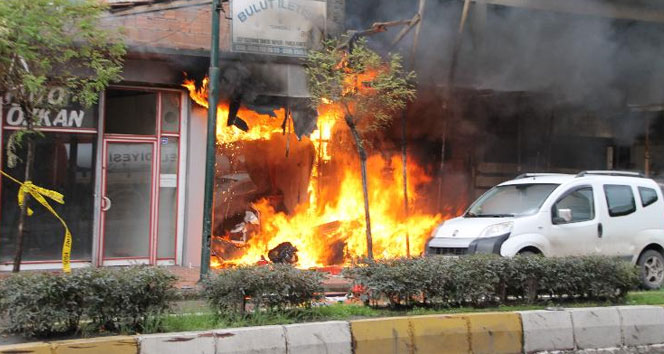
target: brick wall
<point>179,24</point>
<point>185,24</point>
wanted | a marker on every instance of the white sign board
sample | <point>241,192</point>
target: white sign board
<point>70,114</point>
<point>168,180</point>
<point>277,27</point>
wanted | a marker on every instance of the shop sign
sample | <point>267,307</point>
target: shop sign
<point>277,27</point>
<point>70,115</point>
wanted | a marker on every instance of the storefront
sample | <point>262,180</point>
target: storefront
<point>123,205</point>
<point>132,167</point>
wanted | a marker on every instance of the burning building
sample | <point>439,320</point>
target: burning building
<point>537,86</point>
<point>130,167</point>
<point>303,194</point>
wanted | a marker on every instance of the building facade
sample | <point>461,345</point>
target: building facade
<point>131,168</point>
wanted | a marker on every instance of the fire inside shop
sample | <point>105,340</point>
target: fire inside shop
<point>305,207</point>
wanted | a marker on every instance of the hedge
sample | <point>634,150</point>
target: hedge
<point>235,291</point>
<point>134,299</point>
<point>91,300</point>
<point>487,280</point>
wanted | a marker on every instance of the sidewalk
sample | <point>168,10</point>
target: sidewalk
<point>188,278</point>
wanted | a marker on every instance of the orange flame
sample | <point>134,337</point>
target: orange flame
<point>360,82</point>
<point>341,221</point>
<point>330,229</point>
<point>261,126</point>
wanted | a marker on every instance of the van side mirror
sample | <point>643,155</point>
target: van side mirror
<point>564,216</point>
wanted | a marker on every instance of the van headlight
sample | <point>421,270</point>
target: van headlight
<point>497,229</point>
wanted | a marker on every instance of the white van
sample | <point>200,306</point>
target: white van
<point>592,213</point>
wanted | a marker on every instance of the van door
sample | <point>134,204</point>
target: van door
<point>618,213</point>
<point>574,223</point>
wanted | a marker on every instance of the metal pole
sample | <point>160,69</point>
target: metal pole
<point>646,152</point>
<point>213,98</point>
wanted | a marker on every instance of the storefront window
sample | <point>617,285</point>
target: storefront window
<point>167,198</point>
<point>64,163</point>
<point>170,112</point>
<point>131,112</point>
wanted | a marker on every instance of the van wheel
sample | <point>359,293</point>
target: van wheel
<point>651,265</point>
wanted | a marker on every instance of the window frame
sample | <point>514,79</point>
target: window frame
<point>608,205</point>
<point>567,194</point>
<point>159,134</point>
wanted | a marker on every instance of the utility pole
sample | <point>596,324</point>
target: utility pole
<point>213,97</point>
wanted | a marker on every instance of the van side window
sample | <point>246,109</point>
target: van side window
<point>576,206</point>
<point>620,199</point>
<point>648,196</point>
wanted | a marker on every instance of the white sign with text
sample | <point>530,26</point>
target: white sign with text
<point>277,27</point>
<point>69,115</point>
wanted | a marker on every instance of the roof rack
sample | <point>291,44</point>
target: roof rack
<point>611,173</point>
<point>526,175</point>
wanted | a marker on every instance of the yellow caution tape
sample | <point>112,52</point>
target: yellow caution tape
<point>39,194</point>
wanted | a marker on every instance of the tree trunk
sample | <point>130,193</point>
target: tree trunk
<point>365,190</point>
<point>29,162</point>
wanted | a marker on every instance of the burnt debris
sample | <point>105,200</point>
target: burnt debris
<point>284,253</point>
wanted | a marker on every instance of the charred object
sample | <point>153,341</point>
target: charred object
<point>284,253</point>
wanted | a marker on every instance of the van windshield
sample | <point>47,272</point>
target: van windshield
<point>511,200</point>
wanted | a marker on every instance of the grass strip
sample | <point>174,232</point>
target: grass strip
<point>207,320</point>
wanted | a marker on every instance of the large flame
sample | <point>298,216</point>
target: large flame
<point>330,228</point>
<point>261,126</point>
<point>340,225</point>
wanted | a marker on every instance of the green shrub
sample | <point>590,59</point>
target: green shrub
<point>484,280</point>
<point>592,278</point>
<point>46,304</point>
<point>520,277</point>
<point>274,287</point>
<point>127,299</point>
<point>474,280</point>
<point>42,304</point>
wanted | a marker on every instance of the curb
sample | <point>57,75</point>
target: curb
<point>608,329</point>
<point>115,345</point>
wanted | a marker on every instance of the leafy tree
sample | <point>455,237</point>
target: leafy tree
<point>46,45</point>
<point>368,88</point>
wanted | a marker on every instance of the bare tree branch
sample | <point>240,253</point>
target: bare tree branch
<point>377,27</point>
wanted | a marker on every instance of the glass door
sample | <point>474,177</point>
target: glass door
<point>128,201</point>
